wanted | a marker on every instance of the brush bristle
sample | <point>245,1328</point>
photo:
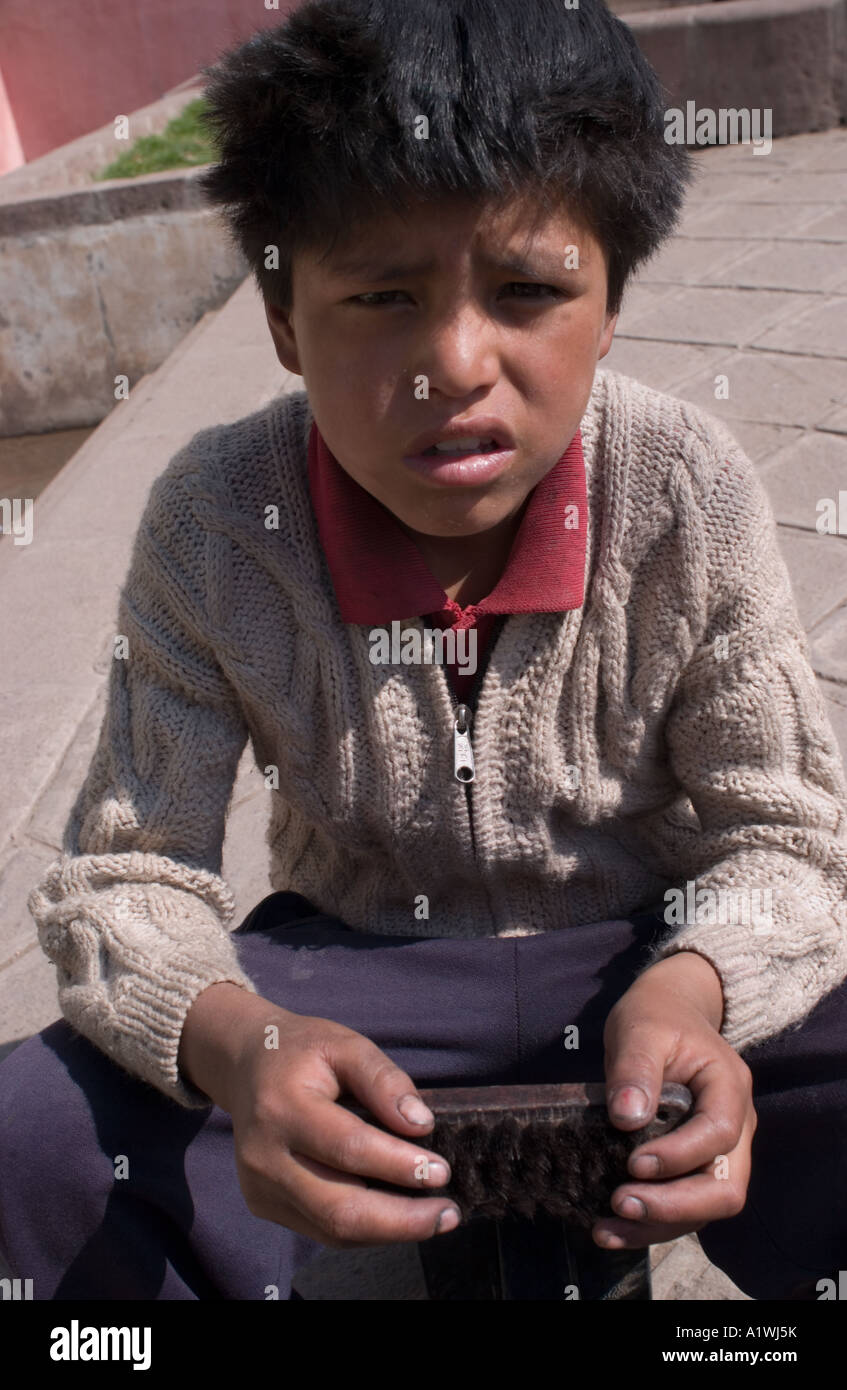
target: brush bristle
<point>567,1168</point>
<point>531,1149</point>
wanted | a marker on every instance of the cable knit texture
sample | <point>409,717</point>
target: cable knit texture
<point>681,692</point>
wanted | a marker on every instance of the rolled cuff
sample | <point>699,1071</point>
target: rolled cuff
<point>764,992</point>
<point>133,956</point>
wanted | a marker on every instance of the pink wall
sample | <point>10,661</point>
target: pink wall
<point>70,66</point>
<point>11,154</point>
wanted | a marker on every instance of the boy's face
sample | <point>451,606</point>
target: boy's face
<point>440,303</point>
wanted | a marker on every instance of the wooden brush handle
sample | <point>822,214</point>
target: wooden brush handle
<point>535,1101</point>
<point>538,1102</point>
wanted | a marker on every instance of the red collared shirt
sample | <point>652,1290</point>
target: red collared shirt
<point>379,574</point>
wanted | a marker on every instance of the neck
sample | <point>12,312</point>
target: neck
<point>469,567</point>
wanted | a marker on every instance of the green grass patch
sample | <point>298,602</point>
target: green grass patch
<point>182,143</point>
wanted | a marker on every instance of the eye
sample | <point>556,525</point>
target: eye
<point>534,285</point>
<point>367,300</point>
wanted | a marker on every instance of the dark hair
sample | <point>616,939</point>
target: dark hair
<point>313,122</point>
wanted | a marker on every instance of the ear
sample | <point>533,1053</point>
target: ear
<point>285,342</point>
<point>608,335</point>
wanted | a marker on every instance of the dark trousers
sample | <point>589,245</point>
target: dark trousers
<point>449,1012</point>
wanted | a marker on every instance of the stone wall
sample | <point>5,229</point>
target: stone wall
<point>100,283</point>
<point>786,55</point>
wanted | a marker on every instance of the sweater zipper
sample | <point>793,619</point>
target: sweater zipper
<point>463,715</point>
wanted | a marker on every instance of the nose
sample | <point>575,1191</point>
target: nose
<point>459,352</point>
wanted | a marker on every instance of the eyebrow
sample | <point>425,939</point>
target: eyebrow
<point>377,272</point>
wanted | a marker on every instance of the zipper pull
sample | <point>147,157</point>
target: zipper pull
<point>463,764</point>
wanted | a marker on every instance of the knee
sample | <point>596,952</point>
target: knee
<point>43,1113</point>
<point>21,1094</point>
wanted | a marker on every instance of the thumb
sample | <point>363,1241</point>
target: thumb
<point>634,1067</point>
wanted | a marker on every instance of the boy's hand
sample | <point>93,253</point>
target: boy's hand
<point>665,1028</point>
<point>302,1159</point>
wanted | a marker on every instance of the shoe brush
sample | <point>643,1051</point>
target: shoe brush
<point>530,1149</point>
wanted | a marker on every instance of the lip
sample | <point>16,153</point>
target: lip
<point>461,469</point>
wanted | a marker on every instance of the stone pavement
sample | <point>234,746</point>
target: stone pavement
<point>752,289</point>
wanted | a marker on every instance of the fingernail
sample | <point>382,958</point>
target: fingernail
<point>437,1172</point>
<point>414,1110</point>
<point>447,1221</point>
<point>632,1208</point>
<point>630,1102</point>
<point>645,1166</point>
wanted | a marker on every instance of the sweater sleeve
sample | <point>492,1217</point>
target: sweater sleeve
<point>763,885</point>
<point>134,912</point>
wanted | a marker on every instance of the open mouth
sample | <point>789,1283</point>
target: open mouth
<point>462,446</point>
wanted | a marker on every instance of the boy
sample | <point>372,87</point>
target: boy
<point>442,202</point>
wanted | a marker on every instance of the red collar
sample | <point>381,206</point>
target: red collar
<point>378,573</point>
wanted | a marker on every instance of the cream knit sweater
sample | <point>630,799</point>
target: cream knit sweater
<point>668,733</point>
